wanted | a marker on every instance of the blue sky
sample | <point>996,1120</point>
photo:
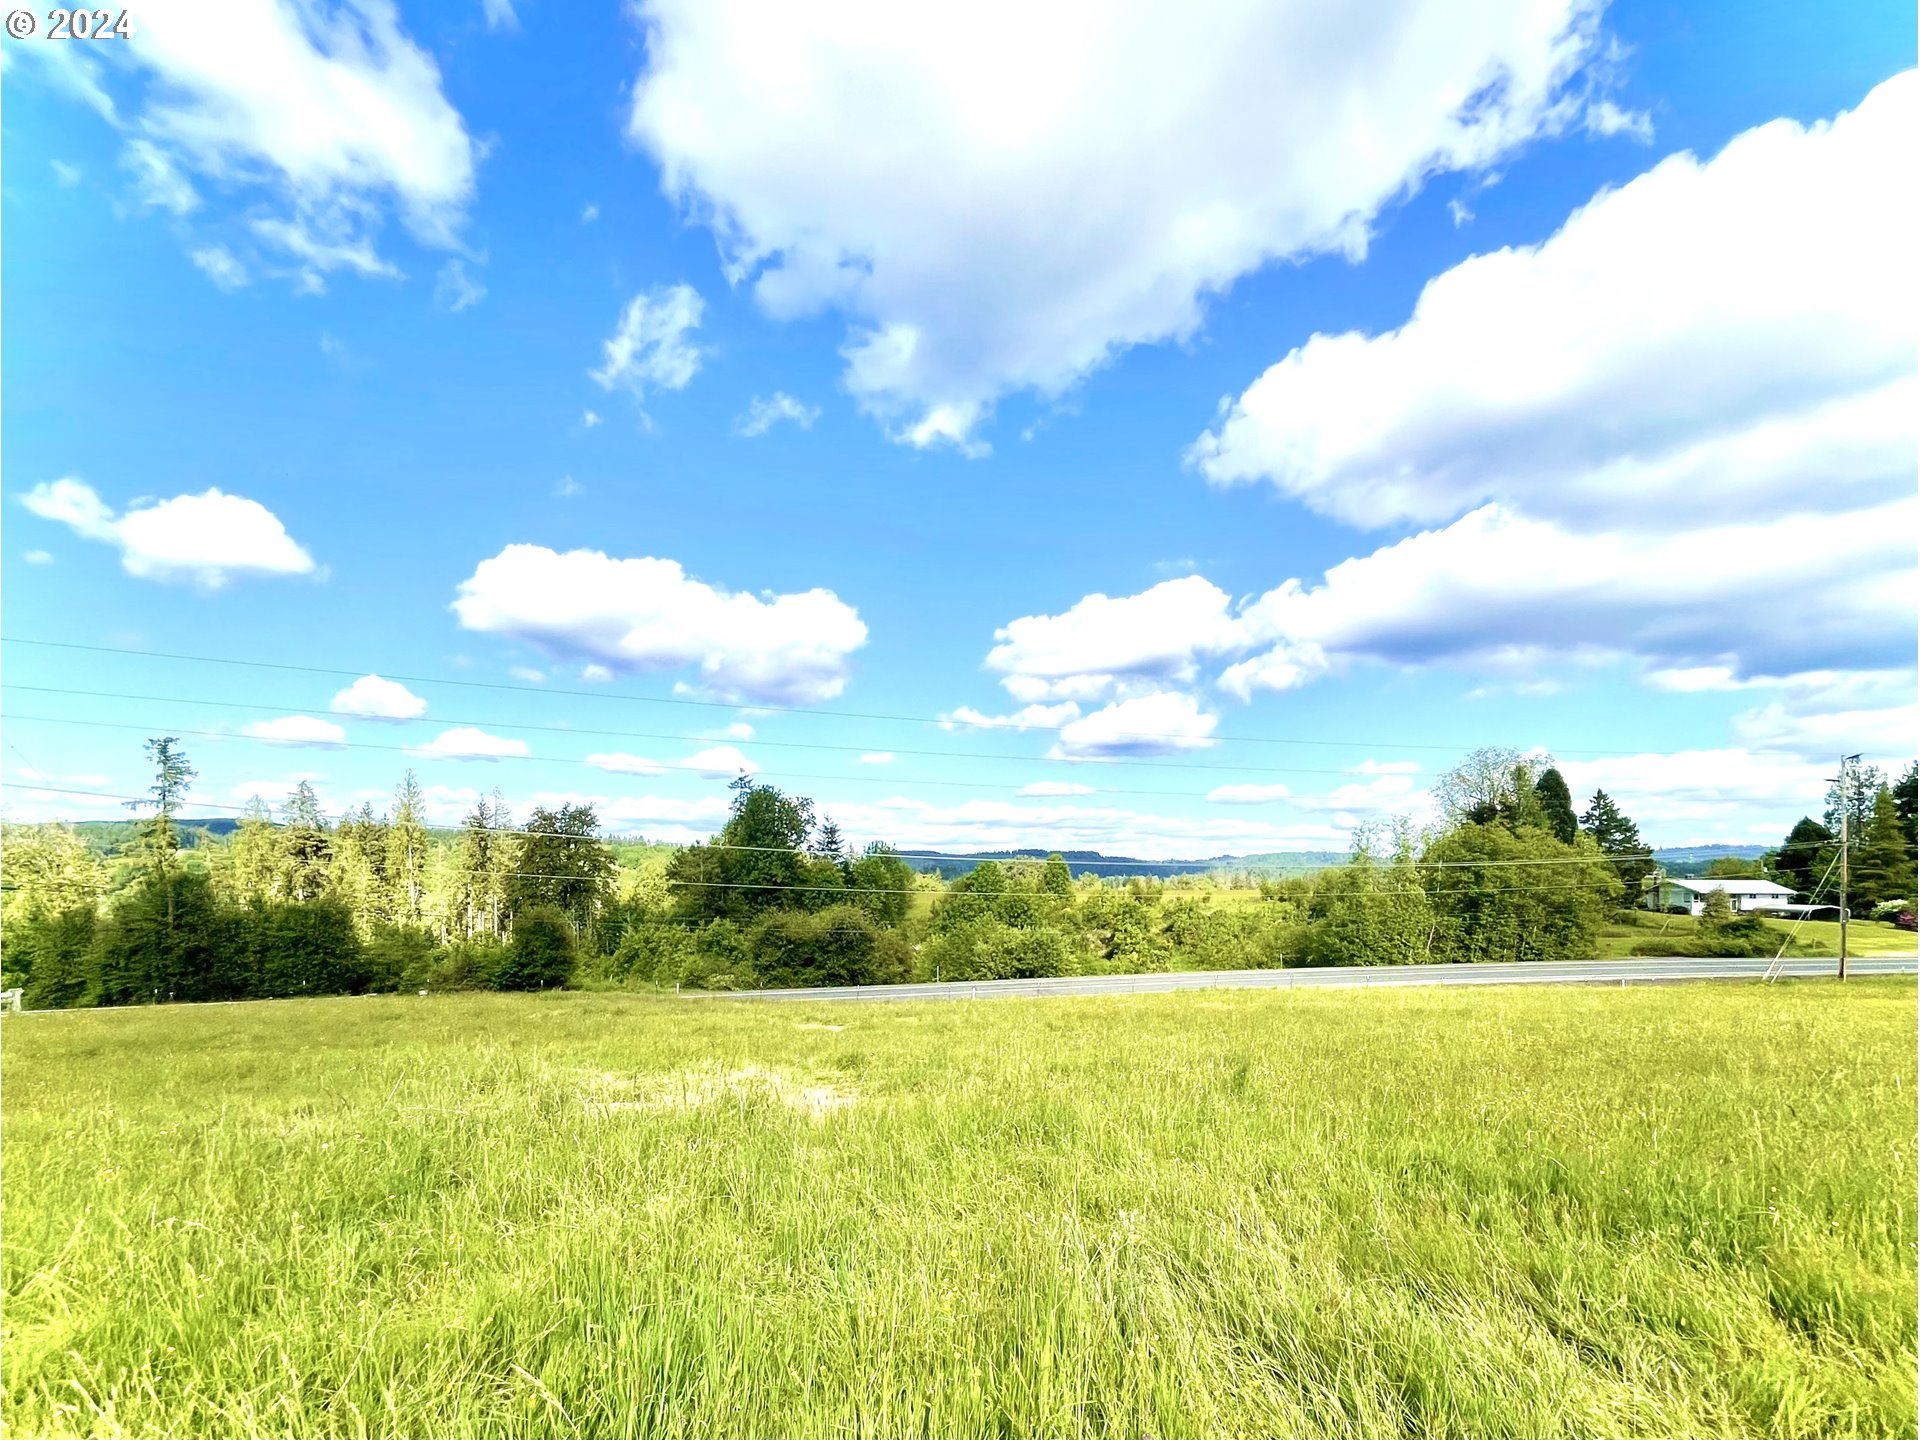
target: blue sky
<point>1262,414</point>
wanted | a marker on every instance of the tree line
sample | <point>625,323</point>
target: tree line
<point>381,901</point>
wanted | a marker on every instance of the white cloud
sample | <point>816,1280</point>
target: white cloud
<point>1697,795</point>
<point>206,539</point>
<point>1247,794</point>
<point>38,557</point>
<point>297,730</point>
<point>568,488</point>
<point>589,214</point>
<point>738,730</point>
<point>332,110</point>
<point>1497,586</point>
<point>763,415</point>
<point>596,674</point>
<point>464,742</point>
<point>1030,209</point>
<point>1162,722</point>
<point>638,615</point>
<point>500,14</point>
<point>649,348</point>
<point>719,762</point>
<point>588,419</point>
<point>456,289</point>
<point>156,181</point>
<point>618,762</point>
<point>528,674</point>
<point>1054,789</point>
<point>67,175</point>
<point>1717,341</point>
<point>221,267</point>
<point>877,757</point>
<point>1031,717</point>
<point>373,698</point>
<point>1603,117</point>
<point>325,248</point>
<point>1100,641</point>
<point>1385,767</point>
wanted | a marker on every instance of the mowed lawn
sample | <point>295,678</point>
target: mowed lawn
<point>1556,1211</point>
<point>1809,937</point>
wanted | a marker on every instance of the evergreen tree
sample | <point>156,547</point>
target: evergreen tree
<point>1904,801</point>
<point>306,846</point>
<point>1882,865</point>
<point>358,873</point>
<point>256,861</point>
<point>1556,801</point>
<point>1852,796</point>
<point>1619,840</point>
<point>1803,859</point>
<point>1057,878</point>
<point>407,852</point>
<point>476,871</point>
<point>827,843</point>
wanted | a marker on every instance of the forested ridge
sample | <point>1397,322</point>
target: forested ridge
<point>294,902</point>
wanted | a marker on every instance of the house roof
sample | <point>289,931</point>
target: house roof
<point>1704,884</point>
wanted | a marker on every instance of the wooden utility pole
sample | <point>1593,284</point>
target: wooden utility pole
<point>1846,839</point>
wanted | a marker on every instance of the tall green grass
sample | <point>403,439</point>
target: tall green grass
<point>1661,1211</point>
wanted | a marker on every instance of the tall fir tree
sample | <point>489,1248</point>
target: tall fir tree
<point>407,852</point>
<point>1556,802</point>
<point>1882,865</point>
<point>1619,840</point>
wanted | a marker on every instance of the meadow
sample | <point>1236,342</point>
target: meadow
<point>1624,930</point>
<point>1501,1212</point>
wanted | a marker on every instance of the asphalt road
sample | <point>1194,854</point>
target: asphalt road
<point>1575,972</point>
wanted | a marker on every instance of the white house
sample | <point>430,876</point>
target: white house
<point>1691,895</point>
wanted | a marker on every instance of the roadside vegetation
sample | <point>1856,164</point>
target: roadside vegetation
<point>1514,1212</point>
<point>300,905</point>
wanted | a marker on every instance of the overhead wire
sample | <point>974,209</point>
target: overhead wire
<point>945,721</point>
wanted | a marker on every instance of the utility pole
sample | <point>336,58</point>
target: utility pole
<point>1846,840</point>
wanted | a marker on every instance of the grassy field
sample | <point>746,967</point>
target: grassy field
<point>1568,1211</point>
<point>1814,937</point>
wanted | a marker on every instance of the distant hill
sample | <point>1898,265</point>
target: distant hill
<point>108,837</point>
<point>1093,862</point>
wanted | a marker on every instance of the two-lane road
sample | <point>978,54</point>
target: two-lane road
<point>1573,972</point>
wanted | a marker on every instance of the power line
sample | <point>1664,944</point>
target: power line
<point>944,721</point>
<point>676,738</point>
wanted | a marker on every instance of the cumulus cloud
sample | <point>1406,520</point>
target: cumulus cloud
<point>637,615</point>
<point>649,348</point>
<point>1053,789</point>
<point>1497,585</point>
<point>204,539</point>
<point>763,415</point>
<point>297,730</point>
<point>1030,209</point>
<point>1100,642</point>
<point>374,698</point>
<point>465,742</point>
<point>877,757</point>
<point>1162,722</point>
<point>330,111</point>
<point>1715,340</point>
<point>1247,794</point>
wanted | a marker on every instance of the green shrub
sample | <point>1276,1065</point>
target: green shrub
<point>984,948</point>
<point>305,947</point>
<point>839,945</point>
<point>1745,936</point>
<point>53,954</point>
<point>540,955</point>
<point>651,953</point>
<point>400,957</point>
